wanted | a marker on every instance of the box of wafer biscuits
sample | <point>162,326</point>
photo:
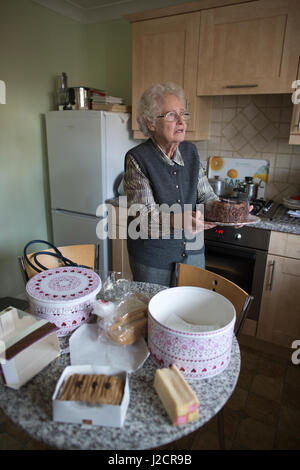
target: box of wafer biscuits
<point>91,395</point>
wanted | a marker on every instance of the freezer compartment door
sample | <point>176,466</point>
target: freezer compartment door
<point>73,229</point>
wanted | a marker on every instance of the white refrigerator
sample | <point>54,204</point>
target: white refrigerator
<point>86,151</point>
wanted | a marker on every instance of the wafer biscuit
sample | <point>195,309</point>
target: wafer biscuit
<point>93,388</point>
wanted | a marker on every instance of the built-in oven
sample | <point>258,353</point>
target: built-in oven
<point>240,255</point>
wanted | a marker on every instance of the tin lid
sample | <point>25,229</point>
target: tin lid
<point>63,284</point>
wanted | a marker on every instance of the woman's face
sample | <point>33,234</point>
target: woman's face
<point>169,133</point>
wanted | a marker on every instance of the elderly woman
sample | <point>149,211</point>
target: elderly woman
<point>164,176</point>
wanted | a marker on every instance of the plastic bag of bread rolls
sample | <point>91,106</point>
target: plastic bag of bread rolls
<point>123,322</point>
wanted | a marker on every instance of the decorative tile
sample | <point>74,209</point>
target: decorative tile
<point>259,143</point>
<point>249,132</point>
<point>225,146</point>
<point>273,114</point>
<point>251,111</point>
<point>286,114</point>
<point>295,162</point>
<point>216,114</point>
<point>230,101</point>
<point>260,121</point>
<point>269,132</point>
<point>294,179</point>
<point>229,131</point>
<point>248,151</point>
<point>283,161</point>
<point>240,121</point>
<point>257,127</point>
<point>228,114</point>
<point>238,141</point>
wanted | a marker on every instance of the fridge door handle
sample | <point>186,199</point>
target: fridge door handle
<point>78,214</point>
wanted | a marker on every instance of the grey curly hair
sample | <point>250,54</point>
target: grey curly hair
<point>149,105</point>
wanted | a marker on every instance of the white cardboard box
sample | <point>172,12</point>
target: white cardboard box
<point>82,413</point>
<point>27,345</point>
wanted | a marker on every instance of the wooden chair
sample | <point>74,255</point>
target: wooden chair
<point>187,275</point>
<point>80,254</point>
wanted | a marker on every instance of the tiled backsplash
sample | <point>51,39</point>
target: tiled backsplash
<point>256,127</point>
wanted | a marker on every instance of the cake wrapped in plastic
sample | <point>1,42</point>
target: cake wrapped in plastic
<point>227,210</point>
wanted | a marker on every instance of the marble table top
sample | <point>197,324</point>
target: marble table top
<point>146,426</point>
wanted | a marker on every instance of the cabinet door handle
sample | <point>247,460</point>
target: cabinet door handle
<point>272,266</point>
<point>249,85</point>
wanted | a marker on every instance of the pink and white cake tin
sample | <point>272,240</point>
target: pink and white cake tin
<point>64,296</point>
<point>192,328</point>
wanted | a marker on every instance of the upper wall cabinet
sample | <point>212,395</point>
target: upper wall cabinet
<point>166,49</point>
<point>249,48</point>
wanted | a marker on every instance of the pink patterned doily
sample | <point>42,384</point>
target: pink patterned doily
<point>63,284</point>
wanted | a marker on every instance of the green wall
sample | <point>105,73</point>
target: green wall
<point>36,44</point>
<point>110,57</point>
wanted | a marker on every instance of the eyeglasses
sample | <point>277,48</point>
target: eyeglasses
<point>171,116</point>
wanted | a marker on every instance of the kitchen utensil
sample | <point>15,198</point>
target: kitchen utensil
<point>192,328</point>
<point>251,188</point>
<point>218,185</point>
<point>79,97</point>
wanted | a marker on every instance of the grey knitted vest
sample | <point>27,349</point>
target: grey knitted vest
<point>170,184</point>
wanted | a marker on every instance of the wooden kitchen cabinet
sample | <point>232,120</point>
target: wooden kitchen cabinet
<point>166,50</point>
<point>249,48</point>
<point>295,126</point>
<point>279,319</point>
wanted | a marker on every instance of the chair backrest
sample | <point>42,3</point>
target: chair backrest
<point>80,254</point>
<point>187,275</point>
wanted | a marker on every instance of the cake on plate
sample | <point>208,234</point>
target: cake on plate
<point>227,210</point>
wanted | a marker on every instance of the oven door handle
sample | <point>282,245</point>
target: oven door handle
<point>272,265</point>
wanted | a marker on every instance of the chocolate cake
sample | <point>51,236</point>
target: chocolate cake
<point>229,210</point>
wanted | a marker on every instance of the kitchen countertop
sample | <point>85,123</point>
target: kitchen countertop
<point>287,224</point>
<point>280,226</point>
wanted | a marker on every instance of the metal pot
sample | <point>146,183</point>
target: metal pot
<point>79,96</point>
<point>218,185</point>
<point>250,188</point>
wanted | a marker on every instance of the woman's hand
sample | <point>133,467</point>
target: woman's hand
<point>198,224</point>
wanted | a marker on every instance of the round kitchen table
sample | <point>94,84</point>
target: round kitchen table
<point>147,425</point>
